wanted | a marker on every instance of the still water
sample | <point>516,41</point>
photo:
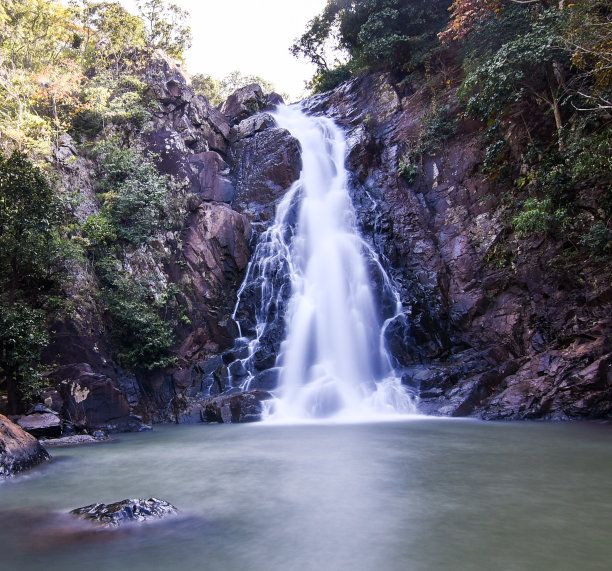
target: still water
<point>423,494</point>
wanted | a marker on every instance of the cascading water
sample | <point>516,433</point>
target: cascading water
<point>333,360</point>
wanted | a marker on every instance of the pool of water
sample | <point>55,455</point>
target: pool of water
<point>424,494</point>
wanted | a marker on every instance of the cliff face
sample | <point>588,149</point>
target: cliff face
<point>494,326</point>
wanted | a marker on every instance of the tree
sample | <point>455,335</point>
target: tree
<point>29,255</point>
<point>533,65</point>
<point>218,90</point>
<point>165,26</point>
<point>392,35</point>
<point>30,216</point>
<point>23,335</point>
<point>467,14</point>
<point>38,33</point>
<point>589,37</point>
<point>119,34</point>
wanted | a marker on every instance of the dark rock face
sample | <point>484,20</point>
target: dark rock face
<point>264,166</point>
<point>126,512</point>
<point>236,408</point>
<point>18,449</point>
<point>94,401</point>
<point>530,338</point>
<point>243,103</point>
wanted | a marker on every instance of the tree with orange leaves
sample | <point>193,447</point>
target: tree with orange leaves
<point>466,14</point>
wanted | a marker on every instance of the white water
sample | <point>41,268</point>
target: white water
<point>333,362</point>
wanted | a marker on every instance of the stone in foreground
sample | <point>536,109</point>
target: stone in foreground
<point>126,511</point>
<point>18,449</point>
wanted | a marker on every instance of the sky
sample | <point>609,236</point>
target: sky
<point>251,36</point>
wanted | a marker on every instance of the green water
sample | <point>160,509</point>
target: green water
<point>425,494</point>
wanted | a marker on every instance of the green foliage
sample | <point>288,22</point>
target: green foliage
<point>165,26</point>
<point>135,196</point>
<point>99,230</point>
<point>29,221</point>
<point>23,335</point>
<point>109,34</point>
<point>528,66</point>
<point>208,86</point>
<point>495,157</point>
<point>598,240</point>
<point>393,35</point>
<point>407,171</point>
<point>327,79</point>
<point>534,217</point>
<point>144,338</point>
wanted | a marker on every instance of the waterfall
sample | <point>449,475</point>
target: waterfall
<point>313,266</point>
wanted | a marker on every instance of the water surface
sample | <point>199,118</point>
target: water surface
<point>424,494</point>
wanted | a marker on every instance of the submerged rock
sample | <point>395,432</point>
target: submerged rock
<point>18,449</point>
<point>74,440</point>
<point>126,511</point>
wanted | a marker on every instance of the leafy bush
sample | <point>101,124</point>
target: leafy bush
<point>407,171</point>
<point>23,335</point>
<point>535,217</point>
<point>328,79</point>
<point>135,195</point>
<point>99,230</point>
<point>598,240</point>
<point>144,338</point>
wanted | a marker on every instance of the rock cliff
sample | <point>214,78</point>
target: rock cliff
<point>496,326</point>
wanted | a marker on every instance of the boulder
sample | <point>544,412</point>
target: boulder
<point>126,512</point>
<point>243,103</point>
<point>94,401</point>
<point>40,424</point>
<point>18,449</point>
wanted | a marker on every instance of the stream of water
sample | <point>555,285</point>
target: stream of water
<point>423,494</point>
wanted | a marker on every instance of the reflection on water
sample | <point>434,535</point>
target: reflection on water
<point>424,494</point>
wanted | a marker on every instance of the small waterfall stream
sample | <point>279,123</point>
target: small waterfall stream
<point>314,273</point>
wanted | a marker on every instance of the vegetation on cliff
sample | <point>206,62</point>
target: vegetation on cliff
<point>77,69</point>
<point>544,65</point>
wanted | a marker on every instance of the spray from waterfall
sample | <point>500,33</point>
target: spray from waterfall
<point>313,266</point>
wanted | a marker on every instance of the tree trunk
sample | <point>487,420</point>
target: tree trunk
<point>12,393</point>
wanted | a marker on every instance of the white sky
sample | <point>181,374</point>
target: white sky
<point>251,36</point>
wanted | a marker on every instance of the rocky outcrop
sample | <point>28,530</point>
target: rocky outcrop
<point>126,512</point>
<point>46,423</point>
<point>18,449</point>
<point>227,409</point>
<point>265,162</point>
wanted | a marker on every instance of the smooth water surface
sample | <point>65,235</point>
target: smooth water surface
<point>424,494</point>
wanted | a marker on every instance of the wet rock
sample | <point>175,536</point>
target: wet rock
<point>126,512</point>
<point>74,440</point>
<point>18,449</point>
<point>236,408</point>
<point>41,424</point>
<point>264,166</point>
<point>266,380</point>
<point>212,179</point>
